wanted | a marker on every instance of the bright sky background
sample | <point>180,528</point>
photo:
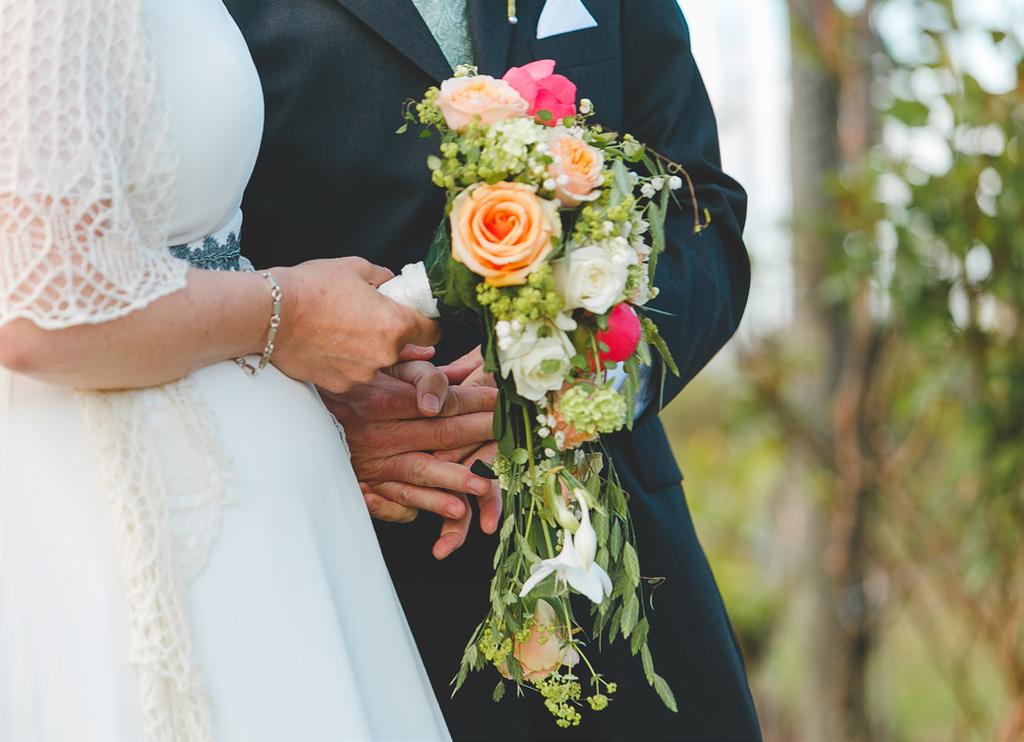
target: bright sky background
<point>742,48</point>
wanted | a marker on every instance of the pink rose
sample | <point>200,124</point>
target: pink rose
<point>462,99</point>
<point>543,90</point>
<point>546,650</point>
<point>623,334</point>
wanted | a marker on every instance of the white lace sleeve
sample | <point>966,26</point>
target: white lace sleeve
<point>86,164</point>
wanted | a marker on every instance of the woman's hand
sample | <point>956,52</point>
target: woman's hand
<point>337,330</point>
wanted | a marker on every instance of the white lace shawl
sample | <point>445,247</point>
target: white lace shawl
<point>87,176</point>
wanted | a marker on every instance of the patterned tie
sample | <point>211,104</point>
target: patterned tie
<point>447,20</point>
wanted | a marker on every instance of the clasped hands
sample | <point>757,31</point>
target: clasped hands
<point>414,432</point>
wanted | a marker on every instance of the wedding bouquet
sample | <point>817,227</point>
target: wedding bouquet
<point>550,243</point>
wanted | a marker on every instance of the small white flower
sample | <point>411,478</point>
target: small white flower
<point>543,148</point>
<point>657,183</point>
<point>586,106</point>
<point>542,419</point>
<point>503,329</point>
<point>647,190</point>
<point>544,432</point>
<point>549,184</point>
<point>517,326</point>
<point>562,180</point>
<point>608,227</point>
<point>675,182</point>
<point>560,439</point>
<point>550,453</point>
<point>634,177</point>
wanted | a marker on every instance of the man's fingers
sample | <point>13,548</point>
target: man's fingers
<point>464,400</point>
<point>458,454</point>
<point>453,533</point>
<point>490,509</point>
<point>415,497</point>
<point>426,471</point>
<point>458,370</point>
<point>383,509</point>
<point>490,504</point>
<point>431,385</point>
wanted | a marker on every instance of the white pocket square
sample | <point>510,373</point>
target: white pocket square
<point>563,16</point>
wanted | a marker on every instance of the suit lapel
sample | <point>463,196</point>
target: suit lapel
<point>492,34</point>
<point>401,25</point>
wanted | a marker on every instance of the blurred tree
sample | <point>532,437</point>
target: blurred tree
<point>902,382</point>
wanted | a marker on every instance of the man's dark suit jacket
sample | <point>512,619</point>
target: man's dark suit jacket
<point>334,179</point>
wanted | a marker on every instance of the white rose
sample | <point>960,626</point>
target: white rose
<point>539,360</point>
<point>592,278</point>
<point>411,288</point>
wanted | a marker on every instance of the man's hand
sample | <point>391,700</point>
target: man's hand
<point>468,373</point>
<point>392,422</point>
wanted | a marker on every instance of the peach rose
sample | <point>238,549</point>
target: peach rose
<point>504,231</point>
<point>546,649</point>
<point>464,98</point>
<point>577,169</point>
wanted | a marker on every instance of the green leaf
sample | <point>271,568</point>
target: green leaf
<point>615,541</point>
<point>630,613</point>
<point>631,563</point>
<point>545,115</point>
<point>665,693</point>
<point>620,183</point>
<point>402,129</point>
<point>507,526</point>
<point>425,134</point>
<point>654,338</point>
<point>499,692</point>
<point>520,456</point>
<point>639,637</point>
<point>616,624</point>
<point>648,663</point>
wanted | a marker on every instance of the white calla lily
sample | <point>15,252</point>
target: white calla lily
<point>575,564</point>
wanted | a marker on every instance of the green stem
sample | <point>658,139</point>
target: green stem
<point>528,423</point>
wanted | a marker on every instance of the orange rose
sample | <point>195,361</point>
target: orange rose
<point>504,231</point>
<point>576,169</point>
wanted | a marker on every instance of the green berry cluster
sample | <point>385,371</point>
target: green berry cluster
<point>592,410</point>
<point>427,110</point>
<point>536,300</point>
<point>561,693</point>
<point>603,219</point>
<point>493,650</point>
<point>505,151</point>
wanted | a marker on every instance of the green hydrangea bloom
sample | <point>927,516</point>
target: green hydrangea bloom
<point>594,410</point>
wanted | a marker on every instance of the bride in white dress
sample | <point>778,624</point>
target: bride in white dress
<point>188,558</point>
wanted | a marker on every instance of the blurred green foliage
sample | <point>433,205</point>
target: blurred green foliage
<point>879,468</point>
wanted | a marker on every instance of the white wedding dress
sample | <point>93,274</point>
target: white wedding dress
<point>193,561</point>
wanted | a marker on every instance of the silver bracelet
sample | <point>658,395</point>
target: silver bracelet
<point>275,322</point>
